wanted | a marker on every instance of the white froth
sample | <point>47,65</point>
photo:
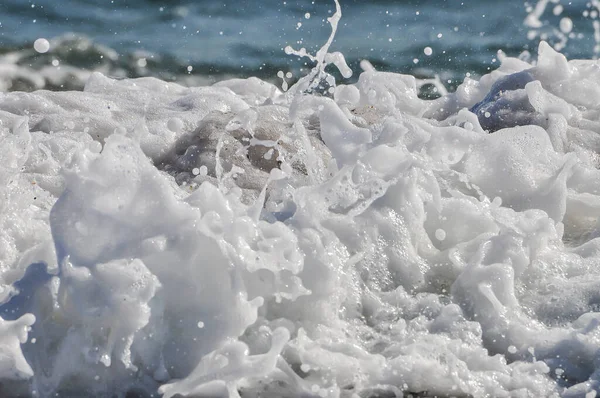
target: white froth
<point>237,240</point>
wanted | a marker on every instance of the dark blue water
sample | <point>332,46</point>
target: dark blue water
<point>246,38</point>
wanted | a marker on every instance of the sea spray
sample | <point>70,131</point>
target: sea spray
<point>373,239</point>
<point>317,79</point>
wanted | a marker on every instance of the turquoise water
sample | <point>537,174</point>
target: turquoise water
<point>246,38</point>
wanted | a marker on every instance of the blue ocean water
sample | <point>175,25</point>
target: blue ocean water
<point>246,38</point>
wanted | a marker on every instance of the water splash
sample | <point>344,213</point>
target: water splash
<point>546,23</point>
<point>318,80</point>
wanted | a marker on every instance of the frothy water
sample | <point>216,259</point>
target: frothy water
<point>329,240</point>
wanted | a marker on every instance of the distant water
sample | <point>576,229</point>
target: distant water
<point>185,40</point>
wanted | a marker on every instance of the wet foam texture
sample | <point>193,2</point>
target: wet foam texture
<point>235,240</point>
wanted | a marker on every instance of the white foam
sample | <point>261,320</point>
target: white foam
<point>233,239</point>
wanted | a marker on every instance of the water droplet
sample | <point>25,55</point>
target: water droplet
<point>566,25</point>
<point>557,10</point>
<point>41,45</point>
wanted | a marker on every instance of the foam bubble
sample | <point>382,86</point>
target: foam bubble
<point>175,124</point>
<point>440,234</point>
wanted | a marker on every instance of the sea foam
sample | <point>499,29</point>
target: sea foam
<point>332,241</point>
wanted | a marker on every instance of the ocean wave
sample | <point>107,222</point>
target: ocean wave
<point>330,240</point>
<point>73,58</point>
